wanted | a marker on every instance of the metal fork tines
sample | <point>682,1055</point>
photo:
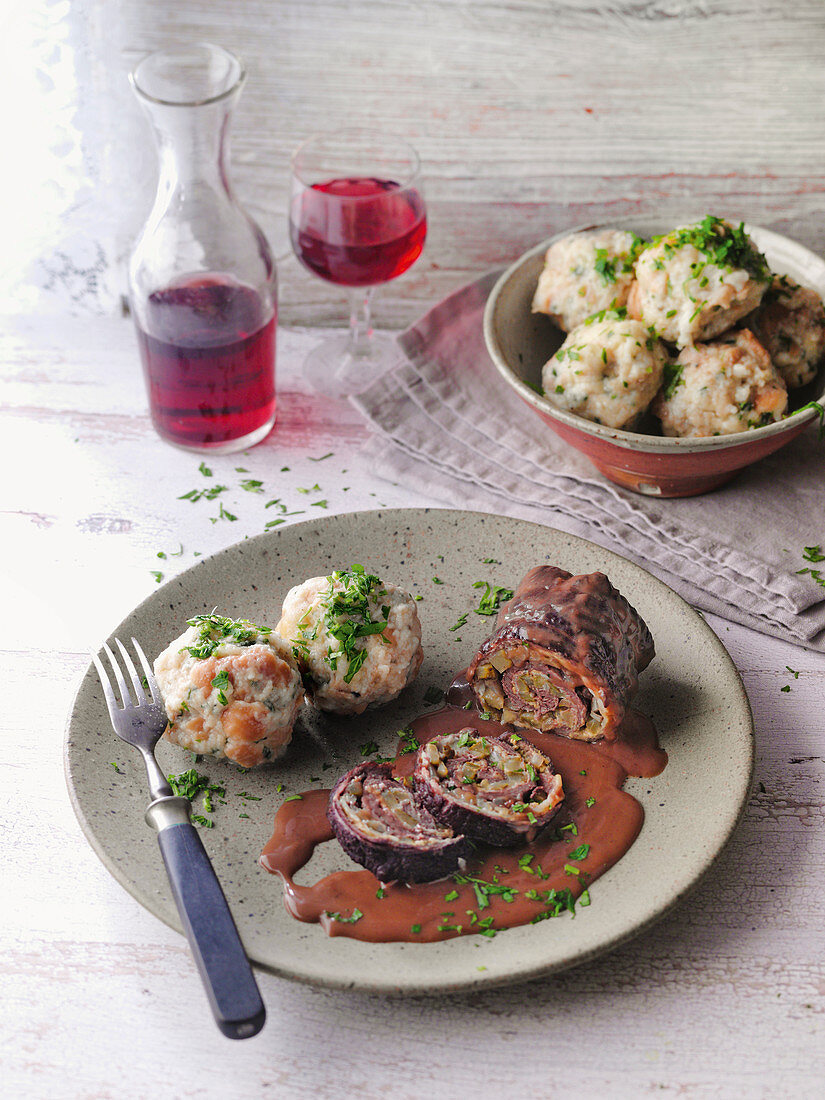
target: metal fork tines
<point>139,719</point>
<point>139,723</point>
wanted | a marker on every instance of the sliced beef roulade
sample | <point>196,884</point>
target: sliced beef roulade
<point>501,790</point>
<point>565,656</point>
<point>378,825</point>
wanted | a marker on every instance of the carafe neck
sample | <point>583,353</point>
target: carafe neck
<point>193,149</point>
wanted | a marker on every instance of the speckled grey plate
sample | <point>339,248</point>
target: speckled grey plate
<point>692,690</point>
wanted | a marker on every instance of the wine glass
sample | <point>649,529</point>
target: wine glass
<point>357,219</point>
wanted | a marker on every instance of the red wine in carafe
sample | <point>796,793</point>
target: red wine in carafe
<point>208,350</point>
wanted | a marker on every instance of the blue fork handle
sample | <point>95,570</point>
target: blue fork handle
<point>219,954</point>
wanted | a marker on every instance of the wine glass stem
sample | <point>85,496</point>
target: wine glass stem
<point>360,321</point>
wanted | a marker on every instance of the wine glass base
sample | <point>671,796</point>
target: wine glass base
<point>334,370</point>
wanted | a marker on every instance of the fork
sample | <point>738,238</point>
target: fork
<point>213,937</point>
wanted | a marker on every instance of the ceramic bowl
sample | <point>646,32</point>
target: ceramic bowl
<point>520,343</point>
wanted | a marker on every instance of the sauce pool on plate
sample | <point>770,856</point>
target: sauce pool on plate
<point>500,887</point>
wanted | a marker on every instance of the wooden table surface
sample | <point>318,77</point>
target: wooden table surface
<point>530,117</point>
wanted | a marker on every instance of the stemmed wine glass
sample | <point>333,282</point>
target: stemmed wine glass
<point>357,219</point>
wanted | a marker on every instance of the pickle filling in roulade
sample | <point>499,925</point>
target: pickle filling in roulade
<point>564,657</point>
<point>501,790</point>
<point>379,825</point>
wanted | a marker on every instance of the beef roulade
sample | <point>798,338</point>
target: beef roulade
<point>501,790</point>
<point>378,825</point>
<point>565,656</point>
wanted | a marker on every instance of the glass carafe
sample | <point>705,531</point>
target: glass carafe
<point>202,279</point>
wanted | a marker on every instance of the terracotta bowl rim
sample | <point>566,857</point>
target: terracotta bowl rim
<point>635,441</point>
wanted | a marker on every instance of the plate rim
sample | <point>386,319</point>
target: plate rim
<point>474,981</point>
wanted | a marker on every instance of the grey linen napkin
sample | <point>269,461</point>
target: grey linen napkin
<point>445,422</point>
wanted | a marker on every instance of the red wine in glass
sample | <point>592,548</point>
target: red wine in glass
<point>358,231</point>
<point>208,351</point>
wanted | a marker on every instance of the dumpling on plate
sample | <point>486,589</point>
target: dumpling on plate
<point>585,273</point>
<point>607,370</point>
<point>697,281</point>
<point>231,689</point>
<point>357,639</point>
<point>719,388</point>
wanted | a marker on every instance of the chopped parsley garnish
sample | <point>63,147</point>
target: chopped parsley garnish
<point>462,621</point>
<point>727,246</point>
<point>223,514</point>
<point>485,890</point>
<point>293,798</point>
<point>158,576</point>
<point>793,672</point>
<point>322,457</point>
<point>579,853</point>
<point>117,769</point>
<point>492,598</point>
<point>605,266</point>
<point>612,313</point>
<point>380,892</point>
<point>220,682</point>
<point>207,494</point>
<point>252,486</point>
<point>204,469</point>
<point>672,379</point>
<point>369,748</point>
<point>556,902</point>
<point>814,555</point>
<point>410,742</point>
<point>437,580</point>
<point>415,929</point>
<point>590,801</point>
<point>215,630</point>
<point>787,687</point>
<point>348,615</point>
<point>353,918</point>
<point>189,785</point>
<point>433,695</point>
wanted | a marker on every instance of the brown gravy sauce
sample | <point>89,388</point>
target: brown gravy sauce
<point>610,824</point>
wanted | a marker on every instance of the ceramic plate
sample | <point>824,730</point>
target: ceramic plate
<point>692,691</point>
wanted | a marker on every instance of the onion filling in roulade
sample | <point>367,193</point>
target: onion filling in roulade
<point>379,825</point>
<point>520,686</point>
<point>501,790</point>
